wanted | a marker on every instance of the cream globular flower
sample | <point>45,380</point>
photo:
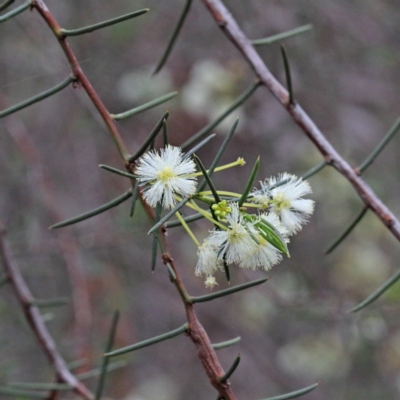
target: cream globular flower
<point>264,254</point>
<point>283,196</point>
<point>246,241</point>
<point>167,173</point>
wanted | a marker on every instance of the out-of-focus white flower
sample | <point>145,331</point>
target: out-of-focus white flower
<point>283,196</point>
<point>208,261</point>
<point>166,173</point>
<point>210,282</point>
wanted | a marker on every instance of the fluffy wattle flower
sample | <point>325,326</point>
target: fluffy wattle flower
<point>234,242</point>
<point>283,196</point>
<point>166,174</point>
<point>208,261</point>
<point>264,254</point>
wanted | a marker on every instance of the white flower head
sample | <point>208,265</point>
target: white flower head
<point>283,196</point>
<point>208,261</point>
<point>165,172</point>
<point>236,241</point>
<point>210,282</point>
<point>264,255</point>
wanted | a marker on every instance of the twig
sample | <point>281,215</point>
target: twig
<point>196,332</point>
<point>35,319</point>
<point>232,30</point>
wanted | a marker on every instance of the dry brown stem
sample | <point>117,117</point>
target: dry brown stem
<point>35,319</point>
<point>232,30</point>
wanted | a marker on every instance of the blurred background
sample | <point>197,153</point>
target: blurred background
<point>295,329</point>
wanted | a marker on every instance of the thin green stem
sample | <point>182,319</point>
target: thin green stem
<point>282,36</point>
<point>347,231</point>
<point>144,107</point>
<point>149,342</point>
<point>22,393</point>
<point>237,103</point>
<point>174,36</point>
<point>110,343</point>
<point>5,4</point>
<point>221,151</point>
<point>97,371</point>
<point>188,230</point>
<point>37,98</point>
<point>15,12</point>
<point>199,146</point>
<point>226,292</point>
<point>48,303</point>
<point>100,25</point>
<point>62,387</point>
<point>288,75</point>
<point>207,178</point>
<point>386,139</point>
<point>189,219</point>
<point>117,171</point>
<point>154,245</point>
<point>169,214</point>
<point>96,211</point>
<point>227,343</point>
<point>375,295</point>
<point>231,370</point>
<point>314,170</point>
<point>295,394</point>
<point>150,138</point>
<point>135,192</point>
<point>250,182</point>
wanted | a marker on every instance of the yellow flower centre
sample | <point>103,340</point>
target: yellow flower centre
<point>166,174</point>
<point>280,203</point>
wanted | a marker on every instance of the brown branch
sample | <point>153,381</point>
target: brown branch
<point>35,319</point>
<point>196,332</point>
<point>68,245</point>
<point>232,30</point>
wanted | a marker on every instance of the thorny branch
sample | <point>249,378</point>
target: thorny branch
<point>232,30</point>
<point>196,331</point>
<point>35,319</point>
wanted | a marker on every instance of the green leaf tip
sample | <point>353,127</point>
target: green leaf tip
<point>16,11</point>
<point>5,4</point>
<point>174,36</point>
<point>100,25</point>
<point>288,75</point>
<point>226,292</point>
<point>221,151</point>
<point>117,171</point>
<point>375,295</point>
<point>207,178</point>
<point>231,370</point>
<point>92,213</point>
<point>347,231</point>
<point>237,103</point>
<point>227,343</point>
<point>282,36</point>
<point>386,139</point>
<point>149,342</point>
<point>37,98</point>
<point>168,215</point>
<point>295,394</point>
<point>109,345</point>
<point>149,138</point>
<point>144,107</point>
<point>250,182</point>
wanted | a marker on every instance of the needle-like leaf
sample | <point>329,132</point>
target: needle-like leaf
<point>174,36</point>
<point>100,25</point>
<point>96,211</point>
<point>149,342</point>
